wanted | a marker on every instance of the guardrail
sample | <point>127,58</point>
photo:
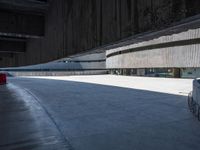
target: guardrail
<point>194,99</point>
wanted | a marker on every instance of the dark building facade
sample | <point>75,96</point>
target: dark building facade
<point>34,32</point>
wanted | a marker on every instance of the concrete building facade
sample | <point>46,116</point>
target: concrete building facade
<point>39,31</point>
<point>174,51</point>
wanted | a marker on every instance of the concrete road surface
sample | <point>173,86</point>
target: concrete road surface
<point>101,116</point>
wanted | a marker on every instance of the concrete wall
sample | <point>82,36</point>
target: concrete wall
<point>95,61</point>
<point>63,66</point>
<point>74,26</point>
<point>88,57</point>
<point>179,50</point>
<point>57,73</point>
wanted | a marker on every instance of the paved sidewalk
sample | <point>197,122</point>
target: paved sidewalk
<point>24,124</point>
<point>162,85</point>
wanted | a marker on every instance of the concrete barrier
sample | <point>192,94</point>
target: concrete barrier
<point>194,99</point>
<point>58,73</point>
<point>196,91</point>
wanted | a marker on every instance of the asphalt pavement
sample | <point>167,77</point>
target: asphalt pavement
<point>87,116</point>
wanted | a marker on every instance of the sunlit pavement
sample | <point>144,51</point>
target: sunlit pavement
<point>163,85</point>
<point>103,113</point>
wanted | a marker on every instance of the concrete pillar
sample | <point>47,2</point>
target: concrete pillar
<point>177,72</point>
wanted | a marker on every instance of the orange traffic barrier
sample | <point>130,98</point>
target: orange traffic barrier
<point>3,79</point>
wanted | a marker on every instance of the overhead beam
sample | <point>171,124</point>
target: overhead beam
<point>17,24</point>
<point>7,46</point>
<point>24,5</point>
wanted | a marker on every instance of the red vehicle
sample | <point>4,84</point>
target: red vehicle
<point>3,79</point>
